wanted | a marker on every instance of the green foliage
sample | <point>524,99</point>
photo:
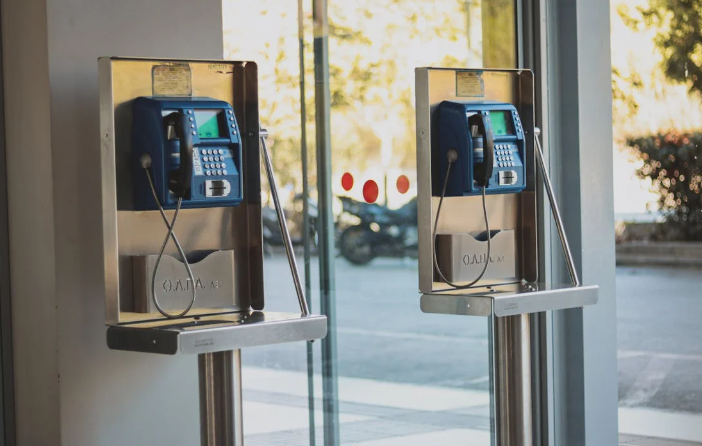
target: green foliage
<point>673,161</point>
<point>678,25</point>
<point>623,88</point>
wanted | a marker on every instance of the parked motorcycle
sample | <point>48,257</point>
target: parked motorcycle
<point>382,232</point>
<point>271,228</point>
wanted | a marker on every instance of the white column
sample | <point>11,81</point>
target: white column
<point>72,390</point>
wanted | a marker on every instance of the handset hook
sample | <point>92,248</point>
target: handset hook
<point>483,171</point>
<point>180,185</point>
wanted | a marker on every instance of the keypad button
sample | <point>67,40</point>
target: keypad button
<point>208,172</point>
<point>229,112</point>
<point>219,172</point>
<point>191,119</point>
<point>220,151</point>
<point>231,118</point>
<point>224,172</point>
<point>233,125</point>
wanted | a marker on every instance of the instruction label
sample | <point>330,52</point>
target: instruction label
<point>470,84</point>
<point>173,79</point>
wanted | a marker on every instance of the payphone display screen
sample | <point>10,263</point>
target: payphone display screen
<point>501,123</point>
<point>207,123</point>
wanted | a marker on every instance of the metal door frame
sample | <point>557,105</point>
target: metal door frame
<point>7,389</point>
<point>562,41</point>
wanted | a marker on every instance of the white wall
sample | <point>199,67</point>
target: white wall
<point>72,390</point>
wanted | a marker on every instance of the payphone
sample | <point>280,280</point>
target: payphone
<point>185,148</point>
<point>479,206</point>
<point>482,142</point>
<point>181,158</point>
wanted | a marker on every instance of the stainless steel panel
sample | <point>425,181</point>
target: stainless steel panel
<point>464,214</point>
<point>109,192</point>
<point>221,408</point>
<point>462,257</point>
<point>128,233</point>
<point>214,282</point>
<point>509,299</point>
<point>216,332</point>
<point>511,380</point>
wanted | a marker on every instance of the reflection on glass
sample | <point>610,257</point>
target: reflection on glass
<point>657,204</point>
<point>405,377</point>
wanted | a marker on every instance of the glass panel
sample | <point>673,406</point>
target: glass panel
<point>657,162</point>
<point>403,377</point>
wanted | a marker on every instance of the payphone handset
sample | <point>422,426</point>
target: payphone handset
<point>193,148</point>
<point>484,143</point>
<point>186,154</point>
<point>480,150</point>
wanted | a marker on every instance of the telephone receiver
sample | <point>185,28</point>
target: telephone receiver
<point>482,172</point>
<point>180,180</point>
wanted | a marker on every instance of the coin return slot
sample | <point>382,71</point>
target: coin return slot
<point>508,178</point>
<point>217,188</point>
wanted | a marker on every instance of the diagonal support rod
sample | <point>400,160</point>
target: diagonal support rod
<point>304,309</point>
<point>555,211</point>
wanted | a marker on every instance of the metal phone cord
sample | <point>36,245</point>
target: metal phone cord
<point>170,225</point>
<point>436,224</point>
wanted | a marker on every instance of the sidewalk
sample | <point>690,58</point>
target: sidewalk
<point>375,413</point>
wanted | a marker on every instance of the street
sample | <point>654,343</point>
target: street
<point>382,334</point>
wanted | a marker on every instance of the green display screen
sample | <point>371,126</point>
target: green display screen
<point>207,123</point>
<point>501,123</point>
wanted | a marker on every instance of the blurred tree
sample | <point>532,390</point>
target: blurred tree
<point>672,161</point>
<point>678,25</point>
<point>374,46</point>
<point>622,92</point>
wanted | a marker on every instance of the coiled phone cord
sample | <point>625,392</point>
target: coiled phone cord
<point>170,225</point>
<point>436,224</point>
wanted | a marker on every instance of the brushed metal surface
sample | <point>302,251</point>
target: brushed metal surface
<point>128,233</point>
<point>461,257</point>
<point>516,212</point>
<point>214,282</point>
<point>509,299</point>
<point>511,380</point>
<point>221,408</point>
<point>216,332</point>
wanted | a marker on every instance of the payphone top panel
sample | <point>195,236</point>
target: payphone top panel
<point>195,141</point>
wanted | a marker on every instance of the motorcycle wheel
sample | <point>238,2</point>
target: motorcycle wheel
<point>357,245</point>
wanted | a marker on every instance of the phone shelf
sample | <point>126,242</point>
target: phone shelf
<point>216,333</point>
<point>509,300</point>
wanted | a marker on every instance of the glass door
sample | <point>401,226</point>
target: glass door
<point>337,96</point>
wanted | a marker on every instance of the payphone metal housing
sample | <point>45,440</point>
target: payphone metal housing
<point>223,244</point>
<point>226,241</point>
<point>515,292</point>
<point>508,295</point>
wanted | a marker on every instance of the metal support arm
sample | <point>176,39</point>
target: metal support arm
<point>283,225</point>
<point>554,209</point>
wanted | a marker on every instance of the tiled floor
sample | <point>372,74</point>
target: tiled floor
<point>377,413</point>
<point>634,440</point>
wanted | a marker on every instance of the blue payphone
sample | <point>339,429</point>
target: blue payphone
<point>186,154</point>
<point>192,150</point>
<point>480,150</point>
<point>484,143</point>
